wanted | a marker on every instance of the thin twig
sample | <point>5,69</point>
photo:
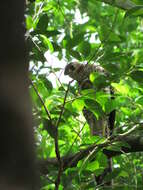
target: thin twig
<point>128,132</point>
<point>38,13</point>
<point>36,45</point>
<point>78,97</point>
<point>58,79</point>
<point>63,106</point>
<point>94,55</point>
<point>75,139</point>
<point>40,98</point>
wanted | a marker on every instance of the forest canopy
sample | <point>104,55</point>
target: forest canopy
<point>104,38</point>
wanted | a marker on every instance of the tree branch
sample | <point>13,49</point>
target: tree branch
<point>135,142</point>
<point>122,4</point>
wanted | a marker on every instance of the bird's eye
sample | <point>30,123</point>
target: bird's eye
<point>72,67</point>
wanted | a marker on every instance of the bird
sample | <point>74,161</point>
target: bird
<point>81,73</point>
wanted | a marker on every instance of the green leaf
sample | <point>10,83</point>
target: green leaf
<point>123,174</point>
<point>102,159</point>
<point>47,42</point>
<point>84,48</point>
<point>114,174</point>
<point>78,104</point>
<point>99,80</point>
<point>43,23</point>
<point>127,111</point>
<point>75,54</point>
<point>72,42</point>
<point>139,100</point>
<point>89,94</point>
<point>117,146</point>
<point>135,11</point>
<point>46,82</point>
<point>92,166</point>
<point>113,37</point>
<point>109,35</point>
<point>29,22</point>
<point>111,67</point>
<point>50,33</point>
<point>50,128</point>
<point>94,107</point>
<point>121,88</point>
<point>90,185</point>
<point>103,99</point>
<point>110,105</point>
<point>137,76</point>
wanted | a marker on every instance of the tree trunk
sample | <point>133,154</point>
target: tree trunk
<point>17,158</point>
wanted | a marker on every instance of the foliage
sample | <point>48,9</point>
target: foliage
<point>105,35</point>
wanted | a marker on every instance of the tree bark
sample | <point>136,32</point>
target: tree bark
<point>17,157</point>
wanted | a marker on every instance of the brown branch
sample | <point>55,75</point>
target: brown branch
<point>135,142</point>
<point>58,180</point>
<point>60,161</point>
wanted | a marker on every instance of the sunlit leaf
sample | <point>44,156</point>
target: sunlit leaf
<point>78,104</point>
<point>47,43</point>
<point>92,166</point>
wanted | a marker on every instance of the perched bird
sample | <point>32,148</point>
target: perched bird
<point>81,73</point>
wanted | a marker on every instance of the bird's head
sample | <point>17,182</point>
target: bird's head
<point>71,68</point>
